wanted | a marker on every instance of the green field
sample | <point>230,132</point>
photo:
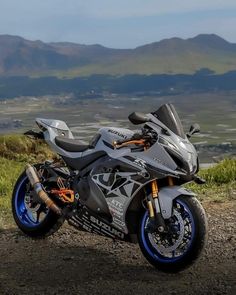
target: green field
<point>184,63</point>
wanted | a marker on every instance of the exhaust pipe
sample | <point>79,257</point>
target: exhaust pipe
<point>38,188</point>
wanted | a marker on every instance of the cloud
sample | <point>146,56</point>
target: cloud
<point>110,9</point>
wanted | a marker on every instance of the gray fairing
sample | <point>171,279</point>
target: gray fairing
<point>166,197</point>
<point>155,158</point>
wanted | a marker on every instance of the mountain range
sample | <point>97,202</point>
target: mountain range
<point>19,56</point>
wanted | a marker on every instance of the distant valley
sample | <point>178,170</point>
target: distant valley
<point>98,86</point>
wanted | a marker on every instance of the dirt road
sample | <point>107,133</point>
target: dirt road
<point>71,262</point>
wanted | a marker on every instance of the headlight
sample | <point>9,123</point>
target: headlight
<point>190,161</point>
<point>165,142</point>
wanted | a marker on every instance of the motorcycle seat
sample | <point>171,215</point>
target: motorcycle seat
<point>70,144</point>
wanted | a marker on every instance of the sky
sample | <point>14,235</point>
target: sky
<point>117,23</point>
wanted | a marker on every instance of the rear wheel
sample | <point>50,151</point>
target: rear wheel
<point>30,215</point>
<point>184,241</point>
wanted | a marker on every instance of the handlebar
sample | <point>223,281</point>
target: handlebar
<point>137,138</point>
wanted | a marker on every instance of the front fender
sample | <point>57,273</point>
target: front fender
<point>167,195</point>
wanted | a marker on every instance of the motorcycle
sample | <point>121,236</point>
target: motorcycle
<point>124,185</point>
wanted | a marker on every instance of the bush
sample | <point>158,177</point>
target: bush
<point>9,172</point>
<point>224,172</point>
<point>22,148</point>
<point>15,152</point>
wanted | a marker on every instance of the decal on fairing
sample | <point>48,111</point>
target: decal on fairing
<point>91,224</point>
<point>117,184</point>
<point>118,188</point>
<point>117,133</point>
<point>106,227</point>
<point>141,163</point>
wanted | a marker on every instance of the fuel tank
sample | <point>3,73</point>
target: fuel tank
<point>111,134</point>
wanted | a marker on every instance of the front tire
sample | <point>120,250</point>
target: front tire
<point>182,245</point>
<point>36,220</point>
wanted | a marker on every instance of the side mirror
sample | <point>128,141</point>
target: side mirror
<point>195,128</point>
<point>138,118</point>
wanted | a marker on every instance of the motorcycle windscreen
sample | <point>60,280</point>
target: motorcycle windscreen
<point>169,117</point>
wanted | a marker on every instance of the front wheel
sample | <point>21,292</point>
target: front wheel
<point>182,244</point>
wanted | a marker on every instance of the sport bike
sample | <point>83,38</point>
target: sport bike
<point>125,185</point>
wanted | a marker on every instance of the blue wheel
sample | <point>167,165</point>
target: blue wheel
<point>182,244</point>
<point>30,214</point>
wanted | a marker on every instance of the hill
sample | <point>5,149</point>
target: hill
<point>170,56</point>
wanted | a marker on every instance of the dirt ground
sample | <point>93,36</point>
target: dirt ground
<point>72,262</point>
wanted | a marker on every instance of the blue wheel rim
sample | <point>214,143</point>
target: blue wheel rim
<point>23,214</point>
<point>153,252</point>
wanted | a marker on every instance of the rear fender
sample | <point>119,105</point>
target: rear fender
<point>167,195</point>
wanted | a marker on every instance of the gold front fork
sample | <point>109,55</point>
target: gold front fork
<point>170,181</point>
<point>150,208</point>
<point>154,197</point>
<point>154,189</point>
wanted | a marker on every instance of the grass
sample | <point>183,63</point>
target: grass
<point>17,150</point>
<point>220,182</point>
<point>174,62</point>
<point>223,173</point>
<point>21,148</point>
<point>9,172</point>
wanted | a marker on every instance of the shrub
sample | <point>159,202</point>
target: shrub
<point>224,172</point>
<point>22,148</point>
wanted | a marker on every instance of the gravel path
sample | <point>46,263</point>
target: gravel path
<point>71,262</point>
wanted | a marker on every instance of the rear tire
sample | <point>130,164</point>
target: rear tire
<point>194,220</point>
<point>24,218</point>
